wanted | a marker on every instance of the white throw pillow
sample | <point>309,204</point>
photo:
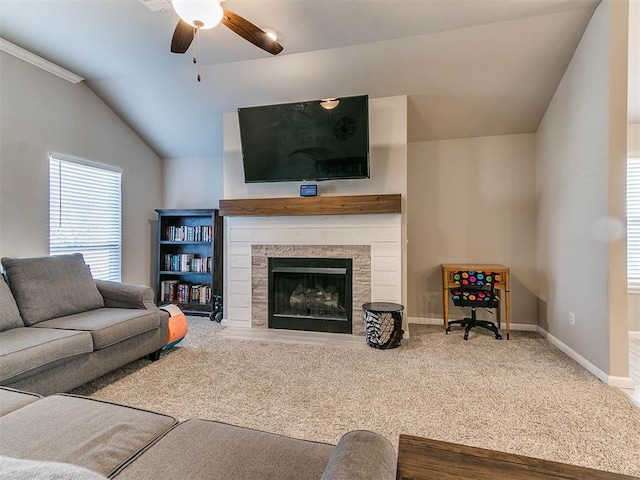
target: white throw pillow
<point>19,469</point>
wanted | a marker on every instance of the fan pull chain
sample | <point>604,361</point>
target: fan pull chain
<point>195,55</point>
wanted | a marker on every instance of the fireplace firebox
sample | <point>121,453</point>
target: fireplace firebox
<point>312,294</point>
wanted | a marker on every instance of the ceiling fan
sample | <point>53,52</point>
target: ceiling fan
<point>203,14</point>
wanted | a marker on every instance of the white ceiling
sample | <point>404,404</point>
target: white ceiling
<point>469,67</point>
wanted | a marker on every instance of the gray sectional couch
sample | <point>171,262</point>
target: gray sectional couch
<point>60,328</point>
<point>71,437</point>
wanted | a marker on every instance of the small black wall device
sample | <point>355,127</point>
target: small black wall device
<point>308,190</point>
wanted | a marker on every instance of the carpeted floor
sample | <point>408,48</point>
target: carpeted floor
<point>521,396</point>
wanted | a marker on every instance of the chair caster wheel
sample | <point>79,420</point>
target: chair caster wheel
<point>466,336</point>
<point>498,337</point>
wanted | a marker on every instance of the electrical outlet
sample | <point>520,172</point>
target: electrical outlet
<point>572,318</point>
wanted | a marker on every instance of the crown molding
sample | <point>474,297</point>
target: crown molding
<point>39,62</point>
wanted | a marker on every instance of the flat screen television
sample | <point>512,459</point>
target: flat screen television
<point>306,140</point>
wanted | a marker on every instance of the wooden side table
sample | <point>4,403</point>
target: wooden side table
<point>504,286</point>
<point>426,459</point>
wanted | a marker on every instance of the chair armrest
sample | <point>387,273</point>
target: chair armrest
<point>362,455</point>
<point>124,295</point>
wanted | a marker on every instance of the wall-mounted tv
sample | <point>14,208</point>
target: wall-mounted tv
<point>314,140</point>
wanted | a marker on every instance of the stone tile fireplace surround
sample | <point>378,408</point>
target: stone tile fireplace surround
<point>361,281</point>
<point>373,242</point>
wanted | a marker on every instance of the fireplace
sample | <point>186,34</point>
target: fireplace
<point>360,256</point>
<point>312,294</point>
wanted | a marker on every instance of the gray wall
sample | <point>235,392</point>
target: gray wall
<point>41,113</point>
<point>194,182</point>
<point>472,200</point>
<point>581,252</point>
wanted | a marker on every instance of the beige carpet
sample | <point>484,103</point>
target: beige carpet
<point>522,396</point>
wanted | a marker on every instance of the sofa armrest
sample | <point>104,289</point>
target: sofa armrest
<point>362,455</point>
<point>124,295</point>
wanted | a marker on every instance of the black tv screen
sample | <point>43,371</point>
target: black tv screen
<point>306,140</point>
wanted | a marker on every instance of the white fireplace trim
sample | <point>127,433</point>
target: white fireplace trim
<point>381,232</point>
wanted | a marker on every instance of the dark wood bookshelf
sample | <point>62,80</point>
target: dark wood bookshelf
<point>166,242</point>
<point>178,272</point>
<point>189,241</point>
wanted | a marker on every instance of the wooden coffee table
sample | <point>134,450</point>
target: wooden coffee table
<point>426,459</point>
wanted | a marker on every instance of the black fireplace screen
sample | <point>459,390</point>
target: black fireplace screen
<point>310,294</point>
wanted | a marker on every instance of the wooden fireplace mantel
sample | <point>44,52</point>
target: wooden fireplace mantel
<point>333,205</point>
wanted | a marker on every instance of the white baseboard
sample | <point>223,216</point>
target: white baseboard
<point>634,334</point>
<point>235,323</point>
<point>439,321</point>
<point>424,321</point>
<point>613,380</point>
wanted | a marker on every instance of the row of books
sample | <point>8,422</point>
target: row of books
<point>198,233</point>
<point>186,262</point>
<point>173,291</point>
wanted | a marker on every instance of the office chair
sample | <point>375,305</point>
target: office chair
<point>475,289</point>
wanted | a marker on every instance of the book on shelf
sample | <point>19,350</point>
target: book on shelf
<point>168,290</point>
<point>173,291</point>
<point>200,294</point>
<point>187,262</point>
<point>183,233</point>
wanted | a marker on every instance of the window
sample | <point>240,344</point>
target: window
<point>633,222</point>
<point>84,213</point>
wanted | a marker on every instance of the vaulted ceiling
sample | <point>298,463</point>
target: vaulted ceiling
<point>469,67</point>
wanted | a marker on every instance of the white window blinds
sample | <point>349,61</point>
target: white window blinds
<point>633,222</point>
<point>85,214</point>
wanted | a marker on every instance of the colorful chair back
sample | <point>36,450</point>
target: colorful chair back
<point>476,289</point>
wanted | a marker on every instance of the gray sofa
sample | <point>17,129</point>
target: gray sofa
<point>60,328</point>
<point>71,437</point>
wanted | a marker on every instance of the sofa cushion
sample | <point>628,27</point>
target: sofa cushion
<point>9,313</point>
<point>11,399</point>
<point>18,469</point>
<point>50,287</point>
<point>26,351</point>
<point>198,449</point>
<point>90,433</point>
<point>107,326</point>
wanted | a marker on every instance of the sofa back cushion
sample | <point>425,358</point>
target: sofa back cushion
<point>9,313</point>
<point>50,287</point>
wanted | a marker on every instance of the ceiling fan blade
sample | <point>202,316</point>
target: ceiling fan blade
<point>182,37</point>
<point>250,32</point>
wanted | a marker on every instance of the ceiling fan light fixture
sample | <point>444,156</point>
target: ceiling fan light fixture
<point>329,103</point>
<point>199,13</point>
